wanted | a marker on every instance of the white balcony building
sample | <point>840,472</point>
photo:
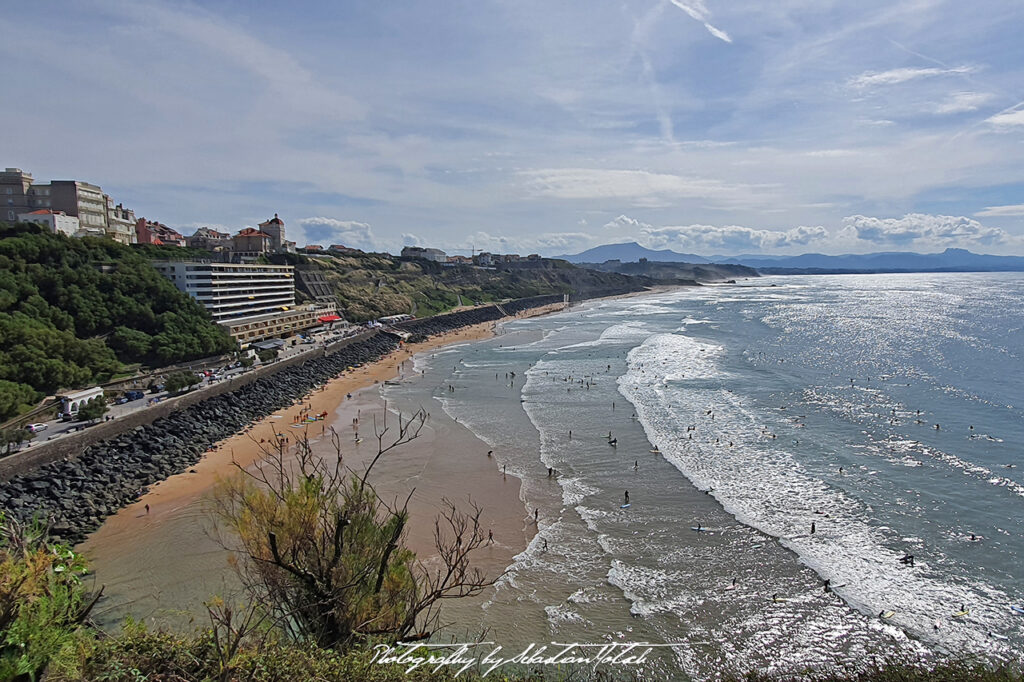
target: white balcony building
<point>232,291</point>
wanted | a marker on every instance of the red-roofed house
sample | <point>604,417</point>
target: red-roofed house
<point>152,232</point>
<point>249,244</point>
<point>56,221</point>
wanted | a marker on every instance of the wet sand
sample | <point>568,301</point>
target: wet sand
<point>160,565</point>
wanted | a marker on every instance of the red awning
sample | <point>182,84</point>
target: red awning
<point>329,318</point>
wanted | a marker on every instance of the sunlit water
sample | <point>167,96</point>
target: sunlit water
<point>753,411</point>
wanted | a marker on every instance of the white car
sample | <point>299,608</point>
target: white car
<point>36,428</point>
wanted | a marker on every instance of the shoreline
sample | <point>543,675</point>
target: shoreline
<point>126,550</point>
<point>241,448</point>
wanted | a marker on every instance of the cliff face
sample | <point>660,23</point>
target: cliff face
<point>701,272</point>
<point>374,285</point>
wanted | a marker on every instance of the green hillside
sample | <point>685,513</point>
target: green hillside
<point>74,311</point>
<point>372,285</point>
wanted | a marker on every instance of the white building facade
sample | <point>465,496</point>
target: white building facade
<point>231,291</point>
<point>55,221</point>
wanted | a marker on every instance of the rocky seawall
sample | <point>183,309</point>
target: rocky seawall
<point>74,495</point>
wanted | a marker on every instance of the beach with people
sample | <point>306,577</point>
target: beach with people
<point>750,486</point>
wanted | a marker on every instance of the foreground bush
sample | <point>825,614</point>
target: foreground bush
<point>43,602</point>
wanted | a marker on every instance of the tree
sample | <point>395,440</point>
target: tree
<point>180,381</point>
<point>327,556</point>
<point>11,437</point>
<point>15,397</point>
<point>94,409</point>
<point>267,354</point>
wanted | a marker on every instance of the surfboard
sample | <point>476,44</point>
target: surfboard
<point>698,529</point>
<point>886,615</point>
<point>757,546</point>
<point>625,506</point>
<point>996,635</point>
<point>961,614</point>
<point>1017,608</point>
<point>780,599</point>
<point>731,587</point>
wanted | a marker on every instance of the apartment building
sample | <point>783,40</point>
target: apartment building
<point>120,222</point>
<point>15,187</point>
<point>233,290</point>
<point>81,199</point>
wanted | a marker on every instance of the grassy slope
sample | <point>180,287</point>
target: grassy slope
<point>374,285</point>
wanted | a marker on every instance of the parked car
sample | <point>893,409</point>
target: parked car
<point>36,428</point>
<point>134,395</point>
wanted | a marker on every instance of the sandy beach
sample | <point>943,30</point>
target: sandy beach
<point>162,563</point>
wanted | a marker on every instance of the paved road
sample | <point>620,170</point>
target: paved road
<point>56,429</point>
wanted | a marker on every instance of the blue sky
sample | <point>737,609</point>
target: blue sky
<point>699,125</point>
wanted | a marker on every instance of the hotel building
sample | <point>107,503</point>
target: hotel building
<point>253,301</point>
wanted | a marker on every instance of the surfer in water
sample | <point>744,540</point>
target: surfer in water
<point>613,442</point>
<point>812,527</point>
<point>625,499</point>
<point>908,559</point>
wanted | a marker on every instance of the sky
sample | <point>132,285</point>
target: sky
<point>704,126</point>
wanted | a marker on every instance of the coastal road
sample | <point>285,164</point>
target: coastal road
<point>56,428</point>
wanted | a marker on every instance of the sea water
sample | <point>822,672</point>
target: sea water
<point>885,413</point>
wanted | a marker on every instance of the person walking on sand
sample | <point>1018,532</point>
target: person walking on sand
<point>147,508</point>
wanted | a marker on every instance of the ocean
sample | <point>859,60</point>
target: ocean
<point>787,443</point>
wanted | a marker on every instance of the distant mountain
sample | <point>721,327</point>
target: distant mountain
<point>950,259</point>
<point>891,261</point>
<point>631,252</point>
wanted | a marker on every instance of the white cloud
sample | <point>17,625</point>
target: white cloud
<point>333,231</point>
<point>699,11</point>
<point>643,187</point>
<point>896,76</point>
<point>624,222</point>
<point>1009,210</point>
<point>550,243</point>
<point>731,239</point>
<point>960,102</point>
<point>1006,119</point>
<point>942,230</point>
